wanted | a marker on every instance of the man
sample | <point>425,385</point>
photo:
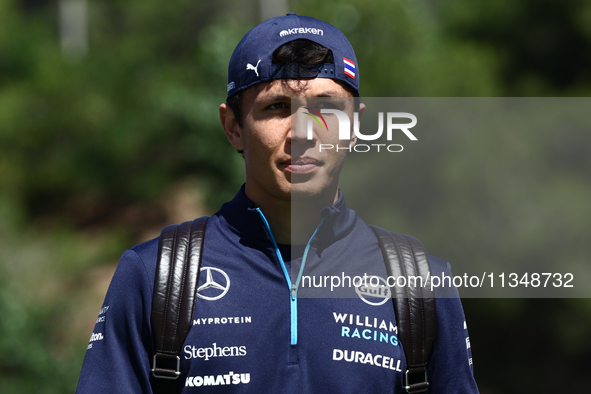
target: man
<point>251,332</point>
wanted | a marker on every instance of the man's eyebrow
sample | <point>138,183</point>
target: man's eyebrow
<point>329,93</point>
<point>276,97</point>
<point>283,97</point>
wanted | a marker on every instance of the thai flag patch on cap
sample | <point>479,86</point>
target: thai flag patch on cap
<point>349,67</point>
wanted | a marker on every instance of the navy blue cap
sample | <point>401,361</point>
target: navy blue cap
<point>251,62</point>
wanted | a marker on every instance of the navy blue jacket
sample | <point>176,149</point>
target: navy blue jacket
<point>250,335</point>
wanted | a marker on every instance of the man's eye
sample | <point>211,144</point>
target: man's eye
<point>277,106</point>
<point>325,105</point>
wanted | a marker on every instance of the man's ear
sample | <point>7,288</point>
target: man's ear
<point>353,136</point>
<point>231,128</point>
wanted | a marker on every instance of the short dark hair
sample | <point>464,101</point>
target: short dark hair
<point>302,51</point>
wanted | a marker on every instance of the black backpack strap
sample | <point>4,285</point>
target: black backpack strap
<point>173,303</point>
<point>415,308</point>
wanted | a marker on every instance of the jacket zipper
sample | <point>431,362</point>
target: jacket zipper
<point>293,288</point>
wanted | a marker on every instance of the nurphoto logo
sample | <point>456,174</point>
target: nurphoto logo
<point>379,131</point>
<point>345,125</point>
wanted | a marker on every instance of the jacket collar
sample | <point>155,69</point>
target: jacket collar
<point>242,218</point>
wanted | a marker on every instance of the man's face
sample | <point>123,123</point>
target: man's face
<point>281,162</point>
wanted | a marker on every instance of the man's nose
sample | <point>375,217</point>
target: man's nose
<point>302,126</point>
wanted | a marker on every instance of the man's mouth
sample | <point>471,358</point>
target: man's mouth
<point>301,165</point>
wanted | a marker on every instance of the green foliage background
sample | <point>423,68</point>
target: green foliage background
<point>91,146</point>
